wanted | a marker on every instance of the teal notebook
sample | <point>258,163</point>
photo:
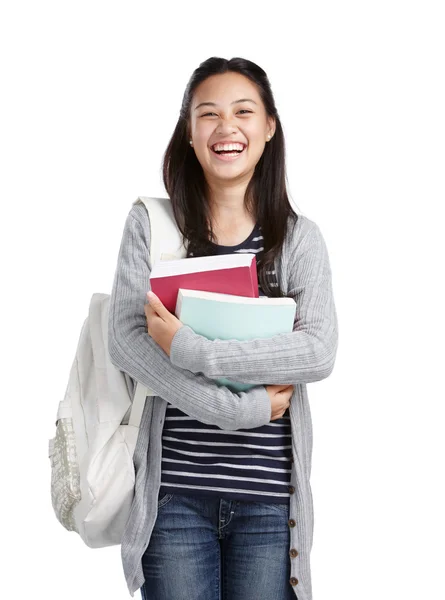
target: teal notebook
<point>228,317</point>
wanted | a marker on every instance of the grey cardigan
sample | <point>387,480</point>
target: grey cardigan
<point>186,378</point>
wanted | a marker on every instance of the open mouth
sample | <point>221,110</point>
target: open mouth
<point>228,154</point>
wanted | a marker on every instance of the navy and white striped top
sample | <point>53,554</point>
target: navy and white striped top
<point>247,464</point>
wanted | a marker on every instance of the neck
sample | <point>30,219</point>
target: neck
<point>227,203</point>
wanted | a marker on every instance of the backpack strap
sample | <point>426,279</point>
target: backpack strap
<point>165,237</point>
<point>165,244</point>
<point>137,407</point>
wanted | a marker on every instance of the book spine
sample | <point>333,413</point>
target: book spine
<point>254,277</point>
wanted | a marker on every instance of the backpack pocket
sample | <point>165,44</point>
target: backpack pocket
<point>65,476</point>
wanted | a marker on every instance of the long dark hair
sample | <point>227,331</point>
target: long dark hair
<point>266,194</point>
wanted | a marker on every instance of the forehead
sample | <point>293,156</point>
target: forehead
<point>224,89</point>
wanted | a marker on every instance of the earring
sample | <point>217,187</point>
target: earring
<point>191,143</point>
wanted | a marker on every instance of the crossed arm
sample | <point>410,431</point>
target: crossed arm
<point>133,351</point>
<point>305,355</point>
<point>186,378</point>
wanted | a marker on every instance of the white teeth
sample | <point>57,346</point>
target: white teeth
<point>228,147</point>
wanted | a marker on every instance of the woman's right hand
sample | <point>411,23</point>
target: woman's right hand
<point>280,396</point>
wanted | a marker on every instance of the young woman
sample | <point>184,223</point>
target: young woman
<point>223,503</point>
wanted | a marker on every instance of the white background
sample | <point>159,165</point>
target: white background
<point>90,95</point>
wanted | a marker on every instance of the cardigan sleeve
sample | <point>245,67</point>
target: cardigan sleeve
<point>304,355</point>
<point>134,351</point>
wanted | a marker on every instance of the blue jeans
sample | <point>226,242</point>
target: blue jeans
<point>205,548</point>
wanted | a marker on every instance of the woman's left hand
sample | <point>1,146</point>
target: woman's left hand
<point>161,324</point>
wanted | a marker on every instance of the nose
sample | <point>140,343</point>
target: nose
<point>226,127</point>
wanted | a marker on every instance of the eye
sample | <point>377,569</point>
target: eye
<point>242,110</point>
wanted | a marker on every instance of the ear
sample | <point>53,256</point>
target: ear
<point>272,125</point>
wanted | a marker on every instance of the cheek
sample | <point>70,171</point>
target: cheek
<point>202,133</point>
<point>256,149</point>
<point>200,146</point>
<point>203,154</point>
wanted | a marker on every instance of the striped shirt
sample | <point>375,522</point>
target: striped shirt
<point>204,460</point>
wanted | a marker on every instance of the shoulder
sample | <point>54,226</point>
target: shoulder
<point>139,213</point>
<point>137,224</point>
<point>160,208</point>
<point>298,228</point>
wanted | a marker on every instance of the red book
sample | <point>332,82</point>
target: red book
<point>234,274</point>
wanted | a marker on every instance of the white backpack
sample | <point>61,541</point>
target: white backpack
<point>91,455</point>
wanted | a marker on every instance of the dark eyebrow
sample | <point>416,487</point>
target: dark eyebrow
<point>234,102</point>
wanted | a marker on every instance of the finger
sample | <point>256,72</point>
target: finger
<point>157,305</point>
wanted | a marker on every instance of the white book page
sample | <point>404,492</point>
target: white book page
<point>199,264</point>
<point>232,298</point>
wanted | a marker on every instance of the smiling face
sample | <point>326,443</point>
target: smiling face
<point>217,116</point>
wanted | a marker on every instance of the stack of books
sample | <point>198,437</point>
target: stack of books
<point>217,296</point>
<point>223,273</point>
